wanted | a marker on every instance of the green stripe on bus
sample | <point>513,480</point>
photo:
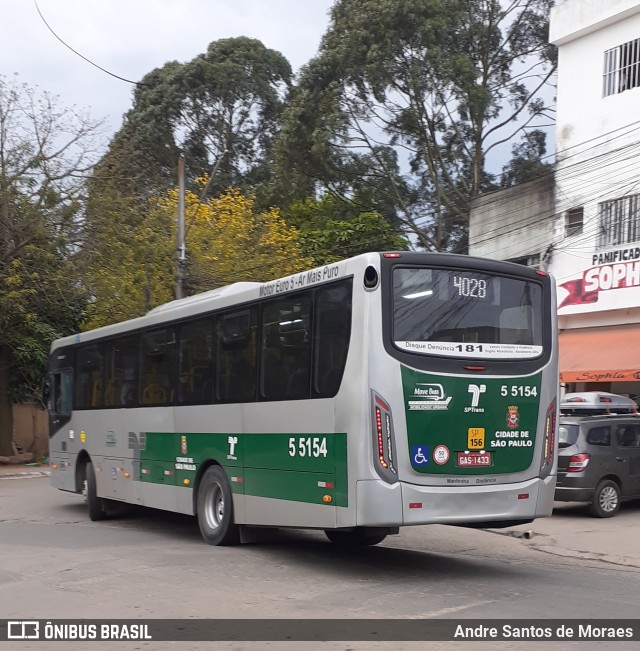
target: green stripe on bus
<point>450,419</point>
<point>296,467</point>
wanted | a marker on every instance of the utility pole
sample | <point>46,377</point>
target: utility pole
<point>182,253</point>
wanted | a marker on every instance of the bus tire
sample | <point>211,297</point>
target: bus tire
<point>356,537</point>
<point>606,499</point>
<point>215,508</point>
<point>96,504</point>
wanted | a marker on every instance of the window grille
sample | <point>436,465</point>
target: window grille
<point>621,68</point>
<point>619,221</point>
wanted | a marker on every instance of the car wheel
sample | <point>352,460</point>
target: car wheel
<point>96,504</point>
<point>606,499</point>
<point>215,508</point>
<point>356,537</point>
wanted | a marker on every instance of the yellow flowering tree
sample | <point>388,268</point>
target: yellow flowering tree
<point>228,241</point>
<point>129,262</point>
<point>132,266</point>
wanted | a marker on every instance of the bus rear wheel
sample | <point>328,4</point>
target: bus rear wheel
<point>97,510</point>
<point>360,536</point>
<point>215,508</point>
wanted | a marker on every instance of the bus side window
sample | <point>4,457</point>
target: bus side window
<point>236,343</point>
<point>286,348</point>
<point>157,368</point>
<point>332,334</point>
<point>122,371</point>
<point>62,393</point>
<point>89,372</point>
<point>195,371</point>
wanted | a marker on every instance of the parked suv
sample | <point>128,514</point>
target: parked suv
<point>598,456</point>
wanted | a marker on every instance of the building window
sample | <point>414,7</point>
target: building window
<point>619,221</point>
<point>622,68</point>
<point>573,221</point>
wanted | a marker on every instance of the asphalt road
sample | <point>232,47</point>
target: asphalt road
<point>57,564</point>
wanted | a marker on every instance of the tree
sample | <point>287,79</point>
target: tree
<point>221,111</point>
<point>127,259</point>
<point>331,229</point>
<point>440,82</point>
<point>526,162</point>
<point>45,151</point>
<point>130,267</point>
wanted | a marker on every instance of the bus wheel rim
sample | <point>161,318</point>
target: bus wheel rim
<point>214,506</point>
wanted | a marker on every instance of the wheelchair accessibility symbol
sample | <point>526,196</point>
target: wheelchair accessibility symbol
<point>420,454</point>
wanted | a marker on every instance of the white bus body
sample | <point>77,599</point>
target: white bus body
<point>353,420</point>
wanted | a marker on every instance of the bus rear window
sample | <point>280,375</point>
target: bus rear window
<point>466,313</point>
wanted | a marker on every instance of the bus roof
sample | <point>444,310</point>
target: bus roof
<point>243,292</point>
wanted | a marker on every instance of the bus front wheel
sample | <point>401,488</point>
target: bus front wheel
<point>215,508</point>
<point>354,537</point>
<point>96,505</point>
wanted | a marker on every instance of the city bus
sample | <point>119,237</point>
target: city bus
<point>381,391</point>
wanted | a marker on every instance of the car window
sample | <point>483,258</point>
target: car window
<point>628,436</point>
<point>567,435</point>
<point>599,436</point>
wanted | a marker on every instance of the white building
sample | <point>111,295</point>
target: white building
<point>596,240</point>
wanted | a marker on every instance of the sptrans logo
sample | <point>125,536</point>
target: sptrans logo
<point>476,390</point>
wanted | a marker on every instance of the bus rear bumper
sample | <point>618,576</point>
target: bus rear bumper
<point>478,503</point>
<point>381,504</point>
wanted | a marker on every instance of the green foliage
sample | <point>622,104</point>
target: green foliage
<point>438,82</point>
<point>43,150</point>
<point>221,110</point>
<point>526,163</point>
<point>332,229</point>
<point>129,256</point>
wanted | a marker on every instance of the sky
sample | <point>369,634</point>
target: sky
<point>129,38</point>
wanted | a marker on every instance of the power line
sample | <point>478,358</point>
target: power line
<point>135,83</point>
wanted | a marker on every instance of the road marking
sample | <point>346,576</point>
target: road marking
<point>447,611</point>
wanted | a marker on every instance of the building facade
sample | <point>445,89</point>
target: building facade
<point>516,224</point>
<point>596,251</point>
<point>590,239</point>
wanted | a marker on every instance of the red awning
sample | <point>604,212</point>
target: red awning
<point>603,354</point>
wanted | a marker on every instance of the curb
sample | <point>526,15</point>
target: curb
<point>25,474</point>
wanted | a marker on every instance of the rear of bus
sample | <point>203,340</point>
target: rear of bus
<point>464,394</point>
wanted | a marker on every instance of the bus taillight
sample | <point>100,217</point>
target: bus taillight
<point>549,437</point>
<point>384,444</point>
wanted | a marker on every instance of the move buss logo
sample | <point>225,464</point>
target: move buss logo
<point>429,397</point>
<point>618,269</point>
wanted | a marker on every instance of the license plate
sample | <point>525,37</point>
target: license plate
<point>474,459</point>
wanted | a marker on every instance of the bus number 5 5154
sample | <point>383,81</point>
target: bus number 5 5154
<point>308,446</point>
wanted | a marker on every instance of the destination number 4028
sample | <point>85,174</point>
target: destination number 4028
<point>519,391</point>
<point>308,446</point>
